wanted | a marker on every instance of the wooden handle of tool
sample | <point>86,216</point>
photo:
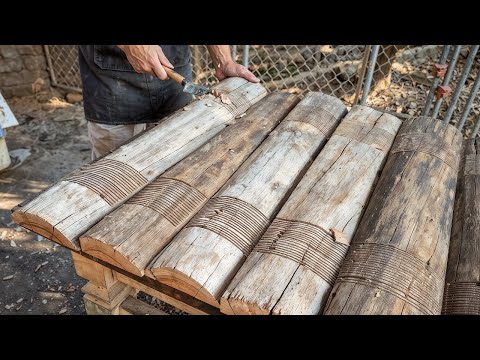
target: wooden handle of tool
<point>174,76</point>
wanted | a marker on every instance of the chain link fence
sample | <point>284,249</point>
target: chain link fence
<point>63,65</point>
<point>395,78</point>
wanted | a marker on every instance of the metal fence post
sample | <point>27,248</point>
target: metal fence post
<point>468,105</point>
<point>448,76</point>
<point>475,128</point>
<point>436,81</point>
<point>361,76</point>
<point>234,52</point>
<point>371,68</point>
<point>246,49</point>
<point>461,82</point>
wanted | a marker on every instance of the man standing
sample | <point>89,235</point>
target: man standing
<point>126,88</point>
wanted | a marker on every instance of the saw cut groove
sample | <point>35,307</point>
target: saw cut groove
<point>395,271</point>
<point>306,244</point>
<point>173,199</point>
<point>462,298</point>
<point>111,179</point>
<point>375,137</point>
<point>235,220</point>
<point>436,146</point>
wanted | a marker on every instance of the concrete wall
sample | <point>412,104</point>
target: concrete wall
<point>20,67</point>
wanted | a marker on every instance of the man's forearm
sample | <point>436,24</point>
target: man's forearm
<point>225,66</point>
<point>220,54</point>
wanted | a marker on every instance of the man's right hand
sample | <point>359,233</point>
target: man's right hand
<point>147,59</point>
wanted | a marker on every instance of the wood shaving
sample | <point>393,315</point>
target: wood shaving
<point>340,237</point>
<point>225,99</point>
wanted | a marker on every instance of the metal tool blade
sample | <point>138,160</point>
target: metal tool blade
<point>196,89</point>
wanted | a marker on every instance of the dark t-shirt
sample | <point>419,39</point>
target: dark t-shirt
<point>115,94</point>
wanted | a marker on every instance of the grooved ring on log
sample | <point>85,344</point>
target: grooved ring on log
<point>472,165</point>
<point>111,179</point>
<point>375,137</point>
<point>240,104</point>
<point>428,143</point>
<point>173,199</point>
<point>306,244</point>
<point>233,219</point>
<point>319,118</point>
<point>395,271</point>
<point>462,298</point>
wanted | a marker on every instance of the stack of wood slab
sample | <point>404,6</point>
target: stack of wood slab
<point>69,208</point>
<point>397,260</point>
<point>293,267</point>
<point>203,258</point>
<point>132,235</point>
<point>295,208</point>
<point>462,288</point>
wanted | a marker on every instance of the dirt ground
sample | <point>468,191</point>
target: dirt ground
<point>36,275</point>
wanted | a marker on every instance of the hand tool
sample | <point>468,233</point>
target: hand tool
<point>188,86</point>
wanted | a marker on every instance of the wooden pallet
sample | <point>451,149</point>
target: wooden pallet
<point>111,290</point>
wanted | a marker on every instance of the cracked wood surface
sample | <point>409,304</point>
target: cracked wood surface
<point>397,260</point>
<point>203,258</point>
<point>293,267</point>
<point>133,234</point>
<point>69,208</point>
<point>462,285</point>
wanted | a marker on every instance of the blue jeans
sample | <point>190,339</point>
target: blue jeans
<point>114,94</point>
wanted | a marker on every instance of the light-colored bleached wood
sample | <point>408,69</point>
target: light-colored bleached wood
<point>293,267</point>
<point>203,258</point>
<point>69,208</point>
<point>462,284</point>
<point>397,260</point>
<point>133,234</point>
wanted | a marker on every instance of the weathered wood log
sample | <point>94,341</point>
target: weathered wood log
<point>397,260</point>
<point>70,207</point>
<point>294,265</point>
<point>133,234</point>
<point>203,258</point>
<point>462,288</point>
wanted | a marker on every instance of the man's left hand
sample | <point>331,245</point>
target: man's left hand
<point>233,69</point>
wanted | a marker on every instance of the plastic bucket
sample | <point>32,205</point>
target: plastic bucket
<point>4,155</point>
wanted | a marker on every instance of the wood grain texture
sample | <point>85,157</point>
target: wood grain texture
<point>203,258</point>
<point>69,208</point>
<point>462,285</point>
<point>133,234</point>
<point>293,267</point>
<point>134,306</point>
<point>397,260</point>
